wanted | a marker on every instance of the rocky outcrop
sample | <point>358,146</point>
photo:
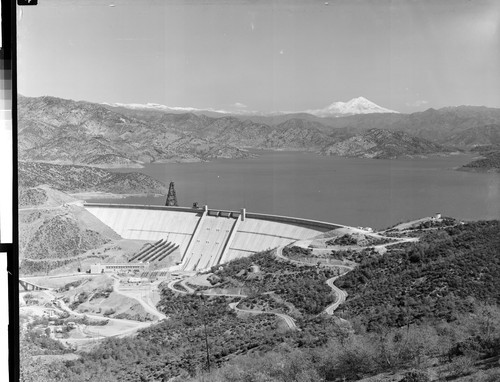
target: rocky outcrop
<point>56,236</point>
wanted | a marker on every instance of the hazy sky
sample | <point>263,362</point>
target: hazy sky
<point>263,55</point>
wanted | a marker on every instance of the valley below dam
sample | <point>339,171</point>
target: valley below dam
<point>351,191</point>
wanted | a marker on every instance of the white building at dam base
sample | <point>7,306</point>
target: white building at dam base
<point>205,237</point>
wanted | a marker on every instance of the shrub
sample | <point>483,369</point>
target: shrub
<point>415,376</point>
<point>109,312</point>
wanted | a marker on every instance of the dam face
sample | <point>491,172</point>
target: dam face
<point>206,237</point>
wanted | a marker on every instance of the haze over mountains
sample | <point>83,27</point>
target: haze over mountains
<point>359,105</point>
<point>68,132</point>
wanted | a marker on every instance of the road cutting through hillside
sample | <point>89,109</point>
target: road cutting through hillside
<point>170,286</point>
<point>279,254</point>
<point>330,309</point>
<point>341,294</point>
<point>285,317</point>
<point>384,246</point>
<point>115,327</point>
<point>60,206</point>
<point>141,296</point>
<point>118,328</point>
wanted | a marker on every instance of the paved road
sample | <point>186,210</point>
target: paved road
<point>279,254</point>
<point>214,294</point>
<point>341,296</point>
<point>170,286</point>
<point>410,226</point>
<point>382,248</point>
<point>76,202</point>
<point>142,296</point>
<point>82,274</point>
<point>285,317</point>
<point>132,326</point>
<point>288,320</point>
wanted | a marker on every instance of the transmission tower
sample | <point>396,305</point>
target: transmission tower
<point>171,197</point>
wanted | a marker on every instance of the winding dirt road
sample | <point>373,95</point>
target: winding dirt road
<point>170,286</point>
<point>285,317</point>
<point>279,254</point>
<point>141,296</point>
<point>118,328</point>
<point>115,327</point>
<point>341,294</point>
<point>60,206</point>
<point>330,309</point>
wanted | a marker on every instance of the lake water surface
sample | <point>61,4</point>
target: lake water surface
<point>358,192</point>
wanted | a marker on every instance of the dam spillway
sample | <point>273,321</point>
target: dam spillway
<point>206,237</point>
<point>209,243</point>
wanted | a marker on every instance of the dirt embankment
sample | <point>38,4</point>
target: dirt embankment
<point>95,295</point>
<point>66,237</point>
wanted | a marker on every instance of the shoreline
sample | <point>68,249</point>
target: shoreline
<point>109,195</point>
<point>253,153</point>
<point>479,170</point>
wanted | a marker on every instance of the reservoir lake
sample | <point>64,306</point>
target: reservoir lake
<point>350,191</point>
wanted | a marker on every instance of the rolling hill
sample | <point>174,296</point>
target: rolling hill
<point>68,132</point>
<point>477,136</point>
<point>490,162</point>
<point>71,178</point>
<point>383,144</point>
<point>439,278</point>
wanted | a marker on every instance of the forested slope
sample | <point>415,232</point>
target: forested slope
<point>438,278</point>
<point>430,309</point>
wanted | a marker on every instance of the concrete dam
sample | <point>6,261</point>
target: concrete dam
<point>206,237</point>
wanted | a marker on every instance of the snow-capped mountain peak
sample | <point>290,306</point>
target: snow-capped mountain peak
<point>156,106</point>
<point>179,109</point>
<point>359,105</point>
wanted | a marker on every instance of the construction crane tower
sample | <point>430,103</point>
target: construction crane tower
<point>171,197</point>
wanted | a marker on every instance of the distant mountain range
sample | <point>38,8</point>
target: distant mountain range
<point>477,136</point>
<point>359,105</point>
<point>68,132</point>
